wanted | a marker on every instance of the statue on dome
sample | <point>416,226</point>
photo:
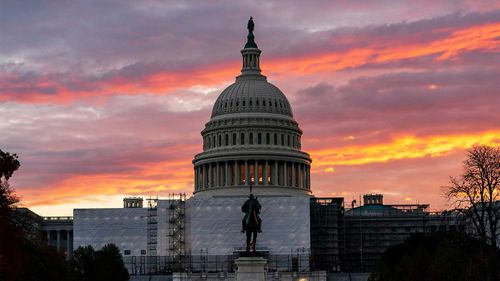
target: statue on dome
<point>250,25</point>
<point>251,223</point>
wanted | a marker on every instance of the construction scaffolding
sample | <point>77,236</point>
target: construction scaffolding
<point>152,233</point>
<point>177,226</point>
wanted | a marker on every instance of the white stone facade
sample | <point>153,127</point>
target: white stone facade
<point>216,224</point>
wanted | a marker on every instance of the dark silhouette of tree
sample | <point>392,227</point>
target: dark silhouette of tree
<point>476,193</point>
<point>83,262</point>
<point>9,163</point>
<point>11,256</point>
<point>103,265</point>
<point>43,263</point>
<point>452,256</point>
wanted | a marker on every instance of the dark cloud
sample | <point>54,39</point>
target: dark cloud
<point>422,103</point>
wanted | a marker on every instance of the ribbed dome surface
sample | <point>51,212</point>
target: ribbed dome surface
<point>252,94</point>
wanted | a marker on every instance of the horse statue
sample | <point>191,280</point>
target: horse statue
<point>251,223</point>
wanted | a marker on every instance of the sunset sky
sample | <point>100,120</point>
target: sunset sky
<point>106,99</point>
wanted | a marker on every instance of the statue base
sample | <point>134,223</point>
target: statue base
<point>250,268</point>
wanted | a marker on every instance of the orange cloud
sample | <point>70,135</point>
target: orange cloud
<point>483,37</point>
<point>402,147</point>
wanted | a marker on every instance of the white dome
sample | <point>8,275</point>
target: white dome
<point>252,94</point>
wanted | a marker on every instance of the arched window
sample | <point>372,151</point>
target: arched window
<point>267,138</point>
<point>227,140</point>
<point>220,140</point>
<point>242,140</point>
<point>234,139</point>
<point>259,138</point>
<point>250,139</point>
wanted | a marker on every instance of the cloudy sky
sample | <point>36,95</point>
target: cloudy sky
<point>106,99</point>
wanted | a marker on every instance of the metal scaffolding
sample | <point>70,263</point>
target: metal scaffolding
<point>152,233</point>
<point>177,225</point>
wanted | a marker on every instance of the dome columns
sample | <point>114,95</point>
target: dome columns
<point>259,172</point>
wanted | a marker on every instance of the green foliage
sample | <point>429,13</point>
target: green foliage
<point>9,163</point>
<point>103,265</point>
<point>442,256</point>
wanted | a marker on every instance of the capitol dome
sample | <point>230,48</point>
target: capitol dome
<point>251,138</point>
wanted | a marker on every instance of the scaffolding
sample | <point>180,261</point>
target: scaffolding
<point>177,226</point>
<point>152,233</point>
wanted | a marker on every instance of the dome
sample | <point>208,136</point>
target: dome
<point>252,94</point>
<point>251,139</point>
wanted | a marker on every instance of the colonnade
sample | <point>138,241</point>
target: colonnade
<point>257,172</point>
<point>59,237</point>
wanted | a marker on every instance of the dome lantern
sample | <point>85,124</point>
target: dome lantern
<point>250,53</point>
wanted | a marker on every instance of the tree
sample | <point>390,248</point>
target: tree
<point>442,256</point>
<point>476,193</point>
<point>11,256</point>
<point>9,163</point>
<point>103,265</point>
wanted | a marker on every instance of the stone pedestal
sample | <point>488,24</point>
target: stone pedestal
<point>250,269</point>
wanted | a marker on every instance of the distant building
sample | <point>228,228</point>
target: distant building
<point>326,216</point>
<point>373,227</point>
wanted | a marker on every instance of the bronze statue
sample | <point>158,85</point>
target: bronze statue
<point>250,37</point>
<point>251,223</point>
<point>250,25</point>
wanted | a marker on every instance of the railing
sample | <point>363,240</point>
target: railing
<point>160,265</point>
<point>58,218</point>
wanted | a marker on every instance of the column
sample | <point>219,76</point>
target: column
<point>256,172</point>
<point>285,172</point>
<point>226,180</point>
<point>247,173</point>
<point>264,170</point>
<point>308,173</point>
<point>209,175</point>
<point>196,178</point>
<point>275,182</point>
<point>293,174</point>
<point>217,174</point>
<point>237,174</point>
<point>58,245</point>
<point>203,176</point>
<point>67,244</point>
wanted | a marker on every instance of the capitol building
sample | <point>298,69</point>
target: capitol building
<point>251,144</point>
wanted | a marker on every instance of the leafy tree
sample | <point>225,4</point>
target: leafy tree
<point>103,265</point>
<point>9,163</point>
<point>452,256</point>
<point>43,263</point>
<point>11,256</point>
<point>476,193</point>
<point>83,262</point>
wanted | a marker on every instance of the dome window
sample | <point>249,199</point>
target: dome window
<point>250,101</point>
<point>242,140</point>
<point>234,138</point>
<point>250,140</point>
<point>259,138</point>
<point>243,102</point>
<point>275,139</point>
<point>257,102</point>
<point>263,102</point>
<point>267,138</point>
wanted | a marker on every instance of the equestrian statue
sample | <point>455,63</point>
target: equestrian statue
<point>251,223</point>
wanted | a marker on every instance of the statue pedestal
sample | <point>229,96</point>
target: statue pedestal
<point>251,268</point>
